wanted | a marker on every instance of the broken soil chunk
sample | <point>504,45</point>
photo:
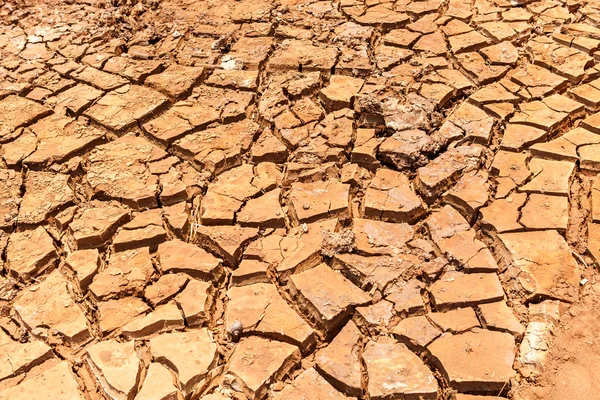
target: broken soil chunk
<point>396,371</point>
<point>456,289</point>
<point>309,383</point>
<point>127,273</point>
<point>262,311</point>
<point>116,367</point>
<point>123,107</point>
<point>158,384</point>
<point>17,111</point>
<point>30,253</point>
<point>271,361</point>
<point>226,241</point>
<point>18,358</point>
<point>117,170</point>
<point>50,307</point>
<point>178,256</point>
<point>164,318</point>
<point>436,177</point>
<point>94,225</point>
<point>114,314</point>
<point>544,266</point>
<point>391,198</point>
<point>310,202</point>
<point>176,80</point>
<point>416,331</point>
<point>146,229</point>
<point>57,382</point>
<point>190,354</point>
<point>10,190</point>
<point>196,302</point>
<point>339,362</point>
<point>85,264</point>
<point>476,361</point>
<point>165,288</point>
<point>326,296</point>
<point>45,193</point>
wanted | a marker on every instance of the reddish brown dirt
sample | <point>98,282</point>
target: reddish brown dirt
<point>572,371</point>
<point>299,199</point>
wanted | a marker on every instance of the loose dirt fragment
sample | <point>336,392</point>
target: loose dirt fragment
<point>394,370</point>
<point>56,382</point>
<point>116,367</point>
<point>542,271</point>
<point>30,253</point>
<point>190,354</point>
<point>339,362</point>
<point>117,170</point>
<point>326,306</point>
<point>476,361</point>
<point>257,362</point>
<point>309,382</point>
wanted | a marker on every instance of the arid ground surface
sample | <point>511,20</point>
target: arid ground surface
<point>299,199</point>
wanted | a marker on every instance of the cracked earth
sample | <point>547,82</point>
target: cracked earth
<point>299,199</point>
